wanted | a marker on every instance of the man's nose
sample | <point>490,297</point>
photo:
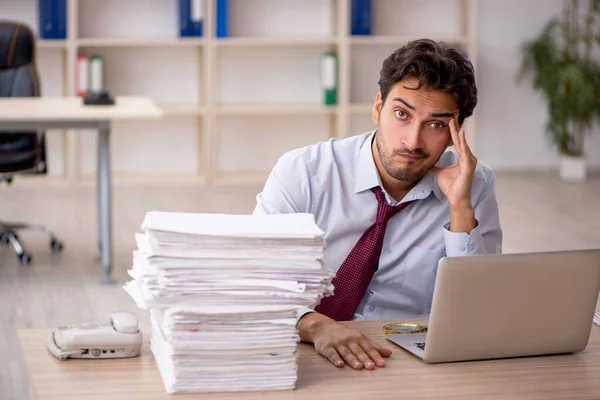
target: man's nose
<point>412,139</point>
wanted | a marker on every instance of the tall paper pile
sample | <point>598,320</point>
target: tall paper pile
<point>223,291</point>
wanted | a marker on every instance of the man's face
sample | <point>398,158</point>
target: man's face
<point>412,129</point>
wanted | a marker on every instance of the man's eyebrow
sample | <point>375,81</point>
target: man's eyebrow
<point>404,102</point>
<point>448,114</point>
<point>434,115</point>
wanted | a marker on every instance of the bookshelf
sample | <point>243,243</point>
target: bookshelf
<point>232,105</point>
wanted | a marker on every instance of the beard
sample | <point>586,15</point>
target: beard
<point>408,175</point>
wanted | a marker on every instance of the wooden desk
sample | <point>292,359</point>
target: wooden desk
<point>573,376</point>
<point>33,113</point>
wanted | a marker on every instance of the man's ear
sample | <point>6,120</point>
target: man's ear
<point>376,112</point>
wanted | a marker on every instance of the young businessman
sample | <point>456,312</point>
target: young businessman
<point>391,202</point>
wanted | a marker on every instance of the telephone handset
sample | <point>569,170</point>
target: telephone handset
<point>117,339</point>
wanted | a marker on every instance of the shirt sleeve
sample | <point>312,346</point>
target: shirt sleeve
<point>486,238</point>
<point>287,190</point>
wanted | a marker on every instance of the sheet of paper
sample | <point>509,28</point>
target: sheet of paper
<point>279,225</point>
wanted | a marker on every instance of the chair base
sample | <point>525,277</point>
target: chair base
<point>8,235</point>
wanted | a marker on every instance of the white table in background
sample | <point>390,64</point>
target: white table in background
<point>33,113</point>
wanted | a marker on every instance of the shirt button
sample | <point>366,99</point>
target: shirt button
<point>463,248</point>
<point>371,308</point>
<point>388,250</point>
<point>471,247</point>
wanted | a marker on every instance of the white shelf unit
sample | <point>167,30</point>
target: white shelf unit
<point>232,105</point>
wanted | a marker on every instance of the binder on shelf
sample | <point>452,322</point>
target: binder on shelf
<point>196,17</point>
<point>329,81</point>
<point>96,74</point>
<point>52,19</point>
<point>184,17</point>
<point>191,18</point>
<point>82,75</point>
<point>60,16</point>
<point>362,17</point>
<point>46,26</point>
<point>222,19</point>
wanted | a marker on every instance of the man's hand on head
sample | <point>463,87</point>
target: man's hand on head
<point>339,344</point>
<point>456,181</point>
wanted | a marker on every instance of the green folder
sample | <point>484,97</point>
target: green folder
<point>96,74</point>
<point>329,78</point>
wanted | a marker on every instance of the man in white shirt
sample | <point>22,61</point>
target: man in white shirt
<point>391,202</point>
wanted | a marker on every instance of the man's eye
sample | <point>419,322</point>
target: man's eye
<point>401,114</point>
<point>437,125</point>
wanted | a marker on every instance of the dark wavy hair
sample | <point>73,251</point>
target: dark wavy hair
<point>437,67</point>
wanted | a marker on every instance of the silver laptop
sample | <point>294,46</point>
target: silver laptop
<point>509,305</point>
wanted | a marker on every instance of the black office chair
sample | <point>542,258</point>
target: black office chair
<point>20,153</point>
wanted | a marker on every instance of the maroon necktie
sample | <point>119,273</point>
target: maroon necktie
<point>355,274</point>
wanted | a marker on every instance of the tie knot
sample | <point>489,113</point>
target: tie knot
<point>384,210</point>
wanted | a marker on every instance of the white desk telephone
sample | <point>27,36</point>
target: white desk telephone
<point>117,339</point>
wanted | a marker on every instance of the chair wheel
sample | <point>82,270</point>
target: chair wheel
<point>56,246</point>
<point>25,259</point>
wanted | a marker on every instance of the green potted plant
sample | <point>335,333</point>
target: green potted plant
<point>560,64</point>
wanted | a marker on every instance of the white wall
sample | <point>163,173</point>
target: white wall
<point>510,116</point>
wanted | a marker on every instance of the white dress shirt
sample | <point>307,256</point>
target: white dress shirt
<point>332,181</point>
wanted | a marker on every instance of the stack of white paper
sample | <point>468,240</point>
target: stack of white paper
<point>223,291</point>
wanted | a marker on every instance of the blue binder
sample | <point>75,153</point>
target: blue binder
<point>184,17</point>
<point>362,16</point>
<point>222,19</point>
<point>52,19</point>
<point>196,25</point>
<point>188,27</point>
<point>46,26</point>
<point>60,21</point>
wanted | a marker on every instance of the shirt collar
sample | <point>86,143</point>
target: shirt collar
<point>367,176</point>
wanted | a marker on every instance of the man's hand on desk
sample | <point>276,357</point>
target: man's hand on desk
<point>341,345</point>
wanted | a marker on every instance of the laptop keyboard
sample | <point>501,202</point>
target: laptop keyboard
<point>420,345</point>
